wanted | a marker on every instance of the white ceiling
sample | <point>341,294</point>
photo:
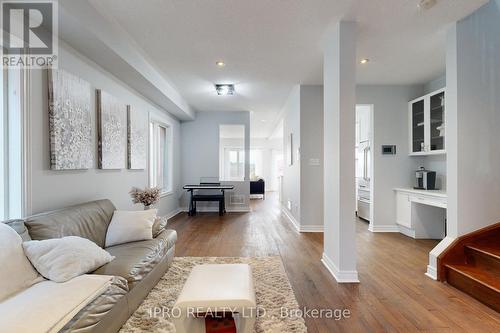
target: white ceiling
<point>271,45</point>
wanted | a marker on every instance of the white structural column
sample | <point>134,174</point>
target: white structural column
<point>339,77</point>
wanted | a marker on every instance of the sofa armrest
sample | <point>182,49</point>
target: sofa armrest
<point>169,236</point>
<point>159,225</point>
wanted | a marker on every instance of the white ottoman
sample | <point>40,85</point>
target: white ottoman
<point>213,289</point>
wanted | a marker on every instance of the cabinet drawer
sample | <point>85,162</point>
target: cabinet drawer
<point>429,201</point>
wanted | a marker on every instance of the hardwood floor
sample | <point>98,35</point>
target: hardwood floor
<point>394,294</point>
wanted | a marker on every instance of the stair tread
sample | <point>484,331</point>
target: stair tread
<point>488,248</point>
<point>482,276</point>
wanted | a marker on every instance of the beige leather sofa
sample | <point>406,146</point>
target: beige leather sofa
<point>138,266</point>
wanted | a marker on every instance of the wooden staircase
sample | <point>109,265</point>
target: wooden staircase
<point>472,264</point>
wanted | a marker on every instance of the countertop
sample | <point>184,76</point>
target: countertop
<point>435,193</point>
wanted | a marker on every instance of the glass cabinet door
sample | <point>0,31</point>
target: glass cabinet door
<point>418,125</point>
<point>437,122</point>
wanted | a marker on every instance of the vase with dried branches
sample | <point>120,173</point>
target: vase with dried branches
<point>148,196</point>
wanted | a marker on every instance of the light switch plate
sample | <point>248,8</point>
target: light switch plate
<point>314,162</point>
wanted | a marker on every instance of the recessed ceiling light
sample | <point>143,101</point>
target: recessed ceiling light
<point>364,61</point>
<point>224,89</point>
<point>220,63</point>
<point>263,120</point>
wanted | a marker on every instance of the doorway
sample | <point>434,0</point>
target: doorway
<point>364,162</point>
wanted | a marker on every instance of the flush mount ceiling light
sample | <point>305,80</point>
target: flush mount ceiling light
<point>426,4</point>
<point>220,63</point>
<point>364,61</point>
<point>224,89</point>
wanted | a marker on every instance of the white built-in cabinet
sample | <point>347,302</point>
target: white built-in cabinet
<point>421,213</point>
<point>427,124</point>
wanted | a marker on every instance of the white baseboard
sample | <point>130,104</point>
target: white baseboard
<point>173,213</point>
<point>296,224</point>
<point>216,210</point>
<point>407,231</point>
<point>434,254</point>
<point>311,228</point>
<point>289,217</point>
<point>340,276</point>
<point>383,228</point>
<point>431,272</point>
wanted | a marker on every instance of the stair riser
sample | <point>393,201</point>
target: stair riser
<point>482,260</point>
<point>475,289</point>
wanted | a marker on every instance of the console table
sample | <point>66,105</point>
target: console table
<point>219,197</point>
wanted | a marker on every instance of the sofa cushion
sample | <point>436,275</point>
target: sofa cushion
<point>16,273</point>
<point>48,306</point>
<point>130,226</point>
<point>20,228</point>
<point>89,220</point>
<point>135,260</point>
<point>61,259</point>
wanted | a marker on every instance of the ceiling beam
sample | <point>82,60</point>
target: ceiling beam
<point>103,41</point>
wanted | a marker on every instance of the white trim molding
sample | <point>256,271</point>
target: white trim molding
<point>340,276</point>
<point>434,254</point>
<point>173,213</point>
<point>216,210</point>
<point>431,272</point>
<point>26,138</point>
<point>383,228</point>
<point>290,218</point>
<point>311,228</point>
<point>407,231</point>
<point>296,224</point>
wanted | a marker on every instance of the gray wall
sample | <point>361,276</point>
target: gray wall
<point>303,182</point>
<point>390,126</point>
<point>473,121</point>
<point>291,173</point>
<point>311,147</point>
<point>56,189</point>
<point>200,153</point>
<point>437,83</point>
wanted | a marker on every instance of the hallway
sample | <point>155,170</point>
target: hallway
<point>406,301</point>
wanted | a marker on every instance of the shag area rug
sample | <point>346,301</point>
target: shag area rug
<point>272,288</point>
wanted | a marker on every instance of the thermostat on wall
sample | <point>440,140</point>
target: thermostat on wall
<point>388,149</point>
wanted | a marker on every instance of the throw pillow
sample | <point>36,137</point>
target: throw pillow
<point>16,272</point>
<point>130,226</point>
<point>61,259</point>
<point>159,225</point>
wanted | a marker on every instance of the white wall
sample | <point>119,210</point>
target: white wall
<point>269,148</point>
<point>473,121</point>
<point>390,127</point>
<point>56,189</point>
<point>311,148</point>
<point>291,173</point>
<point>200,153</point>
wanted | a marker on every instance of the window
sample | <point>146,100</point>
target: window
<point>256,164</point>
<point>160,157</point>
<point>11,143</point>
<point>232,152</point>
<point>235,166</point>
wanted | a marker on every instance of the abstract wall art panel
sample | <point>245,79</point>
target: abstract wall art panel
<point>112,131</point>
<point>137,138</point>
<point>70,121</point>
